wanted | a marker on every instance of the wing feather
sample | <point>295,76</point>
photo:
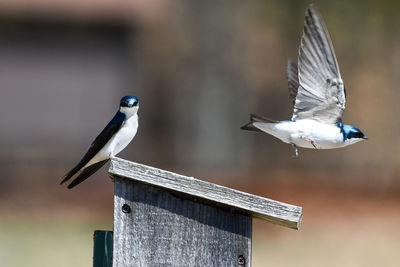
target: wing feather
<point>320,94</point>
<point>86,173</point>
<point>112,127</point>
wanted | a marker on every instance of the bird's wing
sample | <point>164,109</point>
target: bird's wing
<point>293,80</point>
<point>101,140</point>
<point>86,173</point>
<point>321,94</point>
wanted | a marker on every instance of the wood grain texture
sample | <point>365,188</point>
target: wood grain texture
<point>270,210</point>
<point>166,228</point>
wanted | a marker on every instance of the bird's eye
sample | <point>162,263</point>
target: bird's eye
<point>135,103</point>
<point>357,135</point>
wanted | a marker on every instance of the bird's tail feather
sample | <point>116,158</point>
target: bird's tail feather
<point>259,118</point>
<point>86,173</point>
<point>250,127</point>
<point>71,173</point>
<point>256,118</point>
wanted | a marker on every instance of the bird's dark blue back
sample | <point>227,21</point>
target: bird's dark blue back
<point>99,142</point>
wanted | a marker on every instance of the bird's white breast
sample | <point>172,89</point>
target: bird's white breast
<point>124,136</point>
<point>302,132</point>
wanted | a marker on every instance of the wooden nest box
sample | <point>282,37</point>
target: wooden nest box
<point>166,219</point>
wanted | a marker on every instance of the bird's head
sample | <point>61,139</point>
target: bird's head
<point>129,105</point>
<point>351,134</point>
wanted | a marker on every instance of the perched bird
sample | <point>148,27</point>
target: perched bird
<point>118,133</point>
<point>318,94</point>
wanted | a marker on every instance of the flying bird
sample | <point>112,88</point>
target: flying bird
<point>118,133</point>
<point>318,94</point>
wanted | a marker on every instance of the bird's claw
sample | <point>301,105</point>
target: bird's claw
<point>296,150</point>
<point>312,142</point>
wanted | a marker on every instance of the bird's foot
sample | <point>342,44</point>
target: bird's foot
<point>296,150</point>
<point>315,145</point>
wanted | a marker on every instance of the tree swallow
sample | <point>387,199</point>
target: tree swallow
<point>318,94</point>
<point>118,133</point>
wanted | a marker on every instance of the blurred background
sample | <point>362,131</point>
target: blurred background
<point>199,68</point>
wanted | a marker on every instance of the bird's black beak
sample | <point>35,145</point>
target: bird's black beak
<point>365,137</point>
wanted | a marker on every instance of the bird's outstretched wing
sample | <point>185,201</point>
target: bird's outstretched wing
<point>321,94</point>
<point>112,127</point>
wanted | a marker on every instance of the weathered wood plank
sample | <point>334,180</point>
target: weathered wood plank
<point>270,210</point>
<point>157,227</point>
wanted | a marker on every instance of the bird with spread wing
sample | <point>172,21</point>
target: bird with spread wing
<point>318,94</point>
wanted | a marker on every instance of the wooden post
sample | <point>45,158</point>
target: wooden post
<point>103,248</point>
<point>166,219</point>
